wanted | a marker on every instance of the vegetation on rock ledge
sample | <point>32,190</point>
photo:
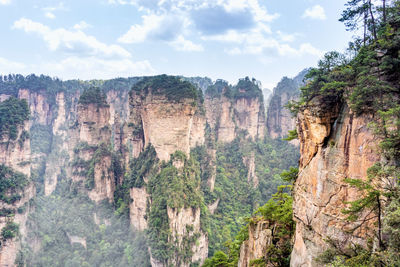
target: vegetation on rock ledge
<point>175,188</point>
<point>93,95</point>
<point>279,214</point>
<point>13,114</point>
<point>174,88</point>
<point>11,184</point>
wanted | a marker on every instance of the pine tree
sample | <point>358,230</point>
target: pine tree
<point>360,11</point>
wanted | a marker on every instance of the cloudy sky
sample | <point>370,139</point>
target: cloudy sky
<point>229,39</point>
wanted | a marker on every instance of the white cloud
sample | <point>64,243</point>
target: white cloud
<point>49,11</point>
<point>71,42</point>
<point>307,48</point>
<point>165,28</point>
<point>82,25</point>
<point>177,21</point>
<point>250,34</point>
<point>257,42</point>
<point>260,13</point>
<point>83,55</point>
<point>284,37</point>
<point>181,44</point>
<point>315,12</point>
<point>50,15</point>
<point>233,51</point>
<point>8,66</point>
<point>5,2</point>
<point>82,68</point>
<point>139,33</point>
<point>60,6</point>
<point>114,2</point>
<point>156,6</point>
<point>95,68</point>
<point>251,37</point>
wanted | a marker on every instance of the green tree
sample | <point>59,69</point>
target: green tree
<point>93,95</point>
<point>370,201</point>
<point>220,259</point>
<point>360,10</point>
<point>13,113</point>
<point>292,135</point>
<point>10,231</point>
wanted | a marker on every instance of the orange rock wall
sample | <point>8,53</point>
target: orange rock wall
<point>335,144</point>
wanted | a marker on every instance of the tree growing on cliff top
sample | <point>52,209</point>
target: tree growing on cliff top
<point>93,95</point>
<point>174,88</point>
<point>360,10</point>
<point>13,113</point>
<point>370,14</point>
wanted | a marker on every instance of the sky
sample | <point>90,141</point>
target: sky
<point>220,39</point>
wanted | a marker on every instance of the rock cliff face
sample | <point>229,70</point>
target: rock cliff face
<point>250,116</point>
<point>227,116</point>
<point>169,127</point>
<point>137,209</point>
<point>15,154</point>
<point>10,247</point>
<point>93,124</point>
<point>219,113</point>
<point>250,163</point>
<point>40,108</point>
<point>279,119</point>
<point>57,160</point>
<point>67,124</point>
<point>92,151</point>
<point>49,121</point>
<point>335,144</point>
<point>185,224</point>
<point>260,237</point>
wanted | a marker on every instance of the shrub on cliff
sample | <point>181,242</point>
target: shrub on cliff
<point>93,95</point>
<point>367,77</point>
<point>173,188</point>
<point>13,113</point>
<point>11,183</point>
<point>279,213</point>
<point>247,88</point>
<point>9,231</point>
<point>174,88</point>
<point>219,87</point>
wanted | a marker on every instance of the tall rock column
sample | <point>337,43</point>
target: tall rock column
<point>279,119</point>
<point>335,144</point>
<point>15,171</point>
<point>92,156</point>
<point>169,121</point>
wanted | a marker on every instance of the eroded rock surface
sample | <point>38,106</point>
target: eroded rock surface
<point>15,154</point>
<point>169,127</point>
<point>279,119</point>
<point>137,209</point>
<point>184,223</point>
<point>335,144</point>
<point>260,237</point>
